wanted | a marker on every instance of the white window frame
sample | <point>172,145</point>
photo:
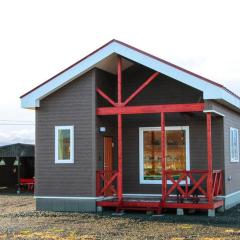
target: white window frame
<point>232,158</point>
<point>71,160</point>
<point>141,152</point>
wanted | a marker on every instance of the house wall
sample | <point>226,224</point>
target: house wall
<point>162,90</point>
<point>232,169</point>
<point>73,104</point>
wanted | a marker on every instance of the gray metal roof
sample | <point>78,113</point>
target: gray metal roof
<point>18,149</point>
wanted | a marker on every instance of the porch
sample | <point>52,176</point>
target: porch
<point>178,187</point>
<point>179,194</point>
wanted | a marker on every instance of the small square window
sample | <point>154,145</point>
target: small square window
<point>64,144</point>
<point>234,145</point>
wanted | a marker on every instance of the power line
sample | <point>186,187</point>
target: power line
<point>4,122</point>
<point>25,121</point>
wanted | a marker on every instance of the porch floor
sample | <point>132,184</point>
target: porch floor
<point>156,204</point>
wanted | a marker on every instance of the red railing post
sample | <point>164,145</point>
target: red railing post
<point>209,158</point>
<point>164,182</point>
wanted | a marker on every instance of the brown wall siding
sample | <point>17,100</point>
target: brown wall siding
<point>231,119</point>
<point>162,90</point>
<point>108,83</point>
<point>74,104</point>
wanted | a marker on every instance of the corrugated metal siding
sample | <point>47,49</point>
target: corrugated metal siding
<point>231,119</point>
<point>18,149</point>
<point>74,104</point>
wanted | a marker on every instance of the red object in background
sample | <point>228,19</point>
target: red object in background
<point>29,182</point>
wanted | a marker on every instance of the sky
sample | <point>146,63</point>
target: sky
<point>40,38</point>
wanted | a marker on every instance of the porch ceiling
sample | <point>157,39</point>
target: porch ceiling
<point>109,64</point>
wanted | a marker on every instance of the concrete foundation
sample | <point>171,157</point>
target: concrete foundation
<point>180,212</point>
<point>211,212</point>
<point>66,204</point>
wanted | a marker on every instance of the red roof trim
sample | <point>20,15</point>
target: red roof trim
<point>143,52</point>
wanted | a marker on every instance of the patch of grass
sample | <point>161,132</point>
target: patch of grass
<point>52,235</point>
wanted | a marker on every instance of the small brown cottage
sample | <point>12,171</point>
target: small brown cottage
<point>124,129</point>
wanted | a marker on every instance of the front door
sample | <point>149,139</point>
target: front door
<point>108,160</point>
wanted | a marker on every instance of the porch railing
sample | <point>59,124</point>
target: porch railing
<point>181,184</point>
<point>192,184</point>
<point>217,182</point>
<point>106,182</point>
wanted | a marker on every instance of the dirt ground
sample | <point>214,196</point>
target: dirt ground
<point>19,220</point>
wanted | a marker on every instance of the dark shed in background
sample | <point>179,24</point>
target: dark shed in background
<point>16,161</point>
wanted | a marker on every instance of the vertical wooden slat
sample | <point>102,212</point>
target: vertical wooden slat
<point>209,157</point>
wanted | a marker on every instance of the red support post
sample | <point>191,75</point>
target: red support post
<point>119,76</point>
<point>120,157</point>
<point>163,148</point>
<point>209,157</point>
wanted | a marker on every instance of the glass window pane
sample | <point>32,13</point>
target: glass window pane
<point>63,144</point>
<point>234,144</point>
<point>175,152</point>
<point>152,155</point>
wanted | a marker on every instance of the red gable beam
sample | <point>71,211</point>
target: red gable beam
<point>106,97</point>
<point>145,84</point>
<point>194,107</point>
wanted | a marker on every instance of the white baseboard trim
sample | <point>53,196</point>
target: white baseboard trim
<point>73,198</point>
<point>230,200</point>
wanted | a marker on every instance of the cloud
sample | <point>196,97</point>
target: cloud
<point>17,136</point>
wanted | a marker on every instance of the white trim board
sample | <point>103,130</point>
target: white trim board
<point>71,129</point>
<point>210,90</point>
<point>214,111</point>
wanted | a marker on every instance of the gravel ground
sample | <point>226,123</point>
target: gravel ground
<point>19,220</point>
